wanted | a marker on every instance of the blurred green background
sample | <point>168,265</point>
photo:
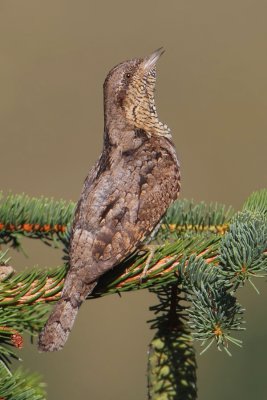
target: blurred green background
<point>211,91</point>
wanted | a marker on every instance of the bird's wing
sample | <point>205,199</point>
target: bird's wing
<point>121,209</point>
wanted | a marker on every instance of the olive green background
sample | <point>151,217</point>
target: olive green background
<point>211,91</point>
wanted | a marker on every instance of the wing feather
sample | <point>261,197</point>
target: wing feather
<point>120,209</point>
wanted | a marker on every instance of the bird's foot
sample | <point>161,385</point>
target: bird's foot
<point>150,249</point>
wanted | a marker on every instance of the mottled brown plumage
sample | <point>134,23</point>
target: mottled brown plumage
<point>125,194</point>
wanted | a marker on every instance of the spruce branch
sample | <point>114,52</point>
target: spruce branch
<point>20,385</point>
<point>171,358</point>
<point>257,202</point>
<point>243,249</point>
<point>205,252</point>
<point>33,287</point>
<point>214,313</point>
<point>44,219</point>
<point>190,218</point>
<point>48,220</point>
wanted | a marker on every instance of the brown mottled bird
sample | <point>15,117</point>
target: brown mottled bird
<point>124,196</point>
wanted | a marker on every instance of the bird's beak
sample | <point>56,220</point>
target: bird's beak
<point>151,60</point>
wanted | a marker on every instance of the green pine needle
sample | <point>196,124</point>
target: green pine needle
<point>205,253</point>
<point>20,385</point>
<point>242,250</point>
<point>257,201</point>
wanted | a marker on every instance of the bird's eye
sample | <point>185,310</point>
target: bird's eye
<point>128,75</point>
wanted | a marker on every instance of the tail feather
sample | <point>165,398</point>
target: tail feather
<point>57,329</point>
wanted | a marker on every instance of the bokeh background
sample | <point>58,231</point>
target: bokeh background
<point>211,91</point>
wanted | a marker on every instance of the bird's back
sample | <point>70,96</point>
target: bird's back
<point>120,206</point>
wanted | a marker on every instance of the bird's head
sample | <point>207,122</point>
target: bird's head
<point>129,94</point>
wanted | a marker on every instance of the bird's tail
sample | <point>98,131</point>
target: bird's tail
<point>56,331</point>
